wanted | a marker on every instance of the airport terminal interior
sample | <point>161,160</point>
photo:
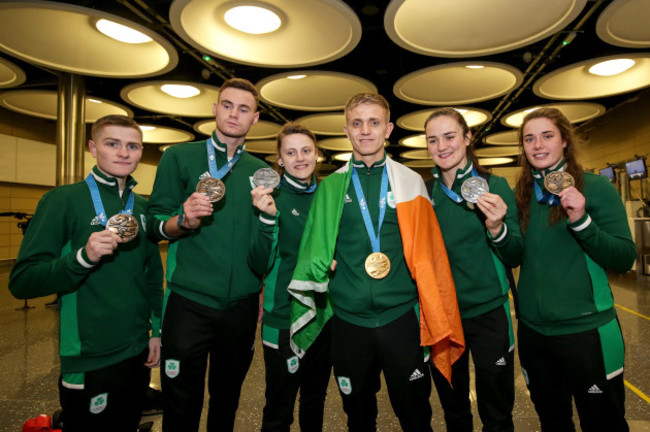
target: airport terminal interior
<point>493,61</point>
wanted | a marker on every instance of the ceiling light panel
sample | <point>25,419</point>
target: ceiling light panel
<point>576,112</point>
<point>149,95</point>
<point>624,23</point>
<point>415,121</point>
<point>311,31</point>
<point>49,33</point>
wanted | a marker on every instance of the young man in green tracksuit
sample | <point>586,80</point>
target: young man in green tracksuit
<point>109,286</point>
<point>570,341</point>
<point>212,297</point>
<point>284,218</point>
<point>481,238</point>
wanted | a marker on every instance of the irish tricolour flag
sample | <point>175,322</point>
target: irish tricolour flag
<point>424,250</point>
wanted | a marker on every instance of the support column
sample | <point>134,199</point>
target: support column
<point>70,129</point>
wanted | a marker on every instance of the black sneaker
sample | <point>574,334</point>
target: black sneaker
<point>152,402</point>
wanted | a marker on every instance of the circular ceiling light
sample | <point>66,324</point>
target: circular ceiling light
<point>478,27</point>
<point>510,137</point>
<point>43,104</point>
<point>500,151</point>
<point>415,121</point>
<point>420,163</point>
<point>318,91</point>
<point>10,74</point>
<point>299,76</point>
<point>414,141</point>
<point>262,146</point>
<point>311,32</point>
<point>455,84</point>
<point>624,23</point>
<point>416,154</point>
<point>64,37</point>
<point>576,112</point>
<point>261,129</point>
<point>335,144</point>
<point>149,96</point>
<point>324,124</point>
<point>164,135</point>
<point>121,32</point>
<point>611,67</point>
<point>495,161</point>
<point>181,91</point>
<point>576,82</point>
<point>252,19</point>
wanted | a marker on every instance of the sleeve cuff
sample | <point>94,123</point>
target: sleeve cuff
<point>581,224</point>
<point>160,230</point>
<point>499,238</point>
<point>83,260</point>
<point>268,219</point>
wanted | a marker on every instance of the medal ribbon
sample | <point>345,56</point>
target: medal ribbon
<point>97,200</point>
<point>453,195</point>
<point>212,163</point>
<point>383,193</point>
<point>287,180</point>
<point>545,198</point>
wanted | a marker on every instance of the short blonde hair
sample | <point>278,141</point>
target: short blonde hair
<point>367,98</point>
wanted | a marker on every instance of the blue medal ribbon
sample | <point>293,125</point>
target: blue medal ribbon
<point>545,198</point>
<point>295,184</point>
<point>450,193</point>
<point>212,162</point>
<point>383,193</point>
<point>97,200</point>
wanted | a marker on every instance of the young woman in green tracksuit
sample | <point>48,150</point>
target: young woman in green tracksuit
<point>284,215</point>
<point>482,240</point>
<point>570,341</point>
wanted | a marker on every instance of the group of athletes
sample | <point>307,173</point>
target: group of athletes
<point>370,271</point>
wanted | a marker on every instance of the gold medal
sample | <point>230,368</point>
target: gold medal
<point>377,265</point>
<point>211,187</point>
<point>124,225</point>
<point>557,181</point>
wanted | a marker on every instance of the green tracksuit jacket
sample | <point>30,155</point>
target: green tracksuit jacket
<point>212,265</point>
<point>563,286</point>
<point>107,309</point>
<point>476,259</point>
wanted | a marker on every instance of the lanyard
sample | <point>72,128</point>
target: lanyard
<point>212,163</point>
<point>545,198</point>
<point>450,193</point>
<point>97,200</point>
<point>374,238</point>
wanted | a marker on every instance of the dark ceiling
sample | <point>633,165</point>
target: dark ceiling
<point>376,58</point>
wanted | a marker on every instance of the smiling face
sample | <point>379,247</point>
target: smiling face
<point>446,143</point>
<point>543,143</point>
<point>367,128</point>
<point>118,150</point>
<point>298,156</point>
<point>235,114</point>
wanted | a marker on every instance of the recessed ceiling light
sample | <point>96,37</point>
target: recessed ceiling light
<point>180,90</point>
<point>294,77</point>
<point>94,100</point>
<point>611,67</point>
<point>530,110</point>
<point>461,110</point>
<point>147,128</point>
<point>252,19</point>
<point>474,67</point>
<point>121,33</point>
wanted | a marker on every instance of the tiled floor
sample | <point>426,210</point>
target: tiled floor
<point>29,368</point>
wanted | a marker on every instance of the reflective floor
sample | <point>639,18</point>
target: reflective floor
<point>29,368</point>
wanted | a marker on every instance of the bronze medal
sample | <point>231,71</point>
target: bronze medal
<point>124,225</point>
<point>211,187</point>
<point>557,181</point>
<point>377,265</point>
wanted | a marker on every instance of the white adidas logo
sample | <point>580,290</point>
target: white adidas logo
<point>416,375</point>
<point>594,389</point>
<point>501,362</point>
<point>347,199</point>
<point>295,212</point>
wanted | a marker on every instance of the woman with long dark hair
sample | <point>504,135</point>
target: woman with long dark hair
<point>575,229</point>
<point>478,219</point>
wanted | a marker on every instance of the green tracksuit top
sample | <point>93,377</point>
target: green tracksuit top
<point>213,264</point>
<point>476,258</point>
<point>563,287</point>
<point>356,297</point>
<point>292,200</point>
<point>108,308</point>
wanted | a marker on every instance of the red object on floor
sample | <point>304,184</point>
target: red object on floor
<point>42,423</point>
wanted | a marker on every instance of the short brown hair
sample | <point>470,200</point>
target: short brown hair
<point>113,120</point>
<point>367,98</point>
<point>294,128</point>
<point>242,84</point>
